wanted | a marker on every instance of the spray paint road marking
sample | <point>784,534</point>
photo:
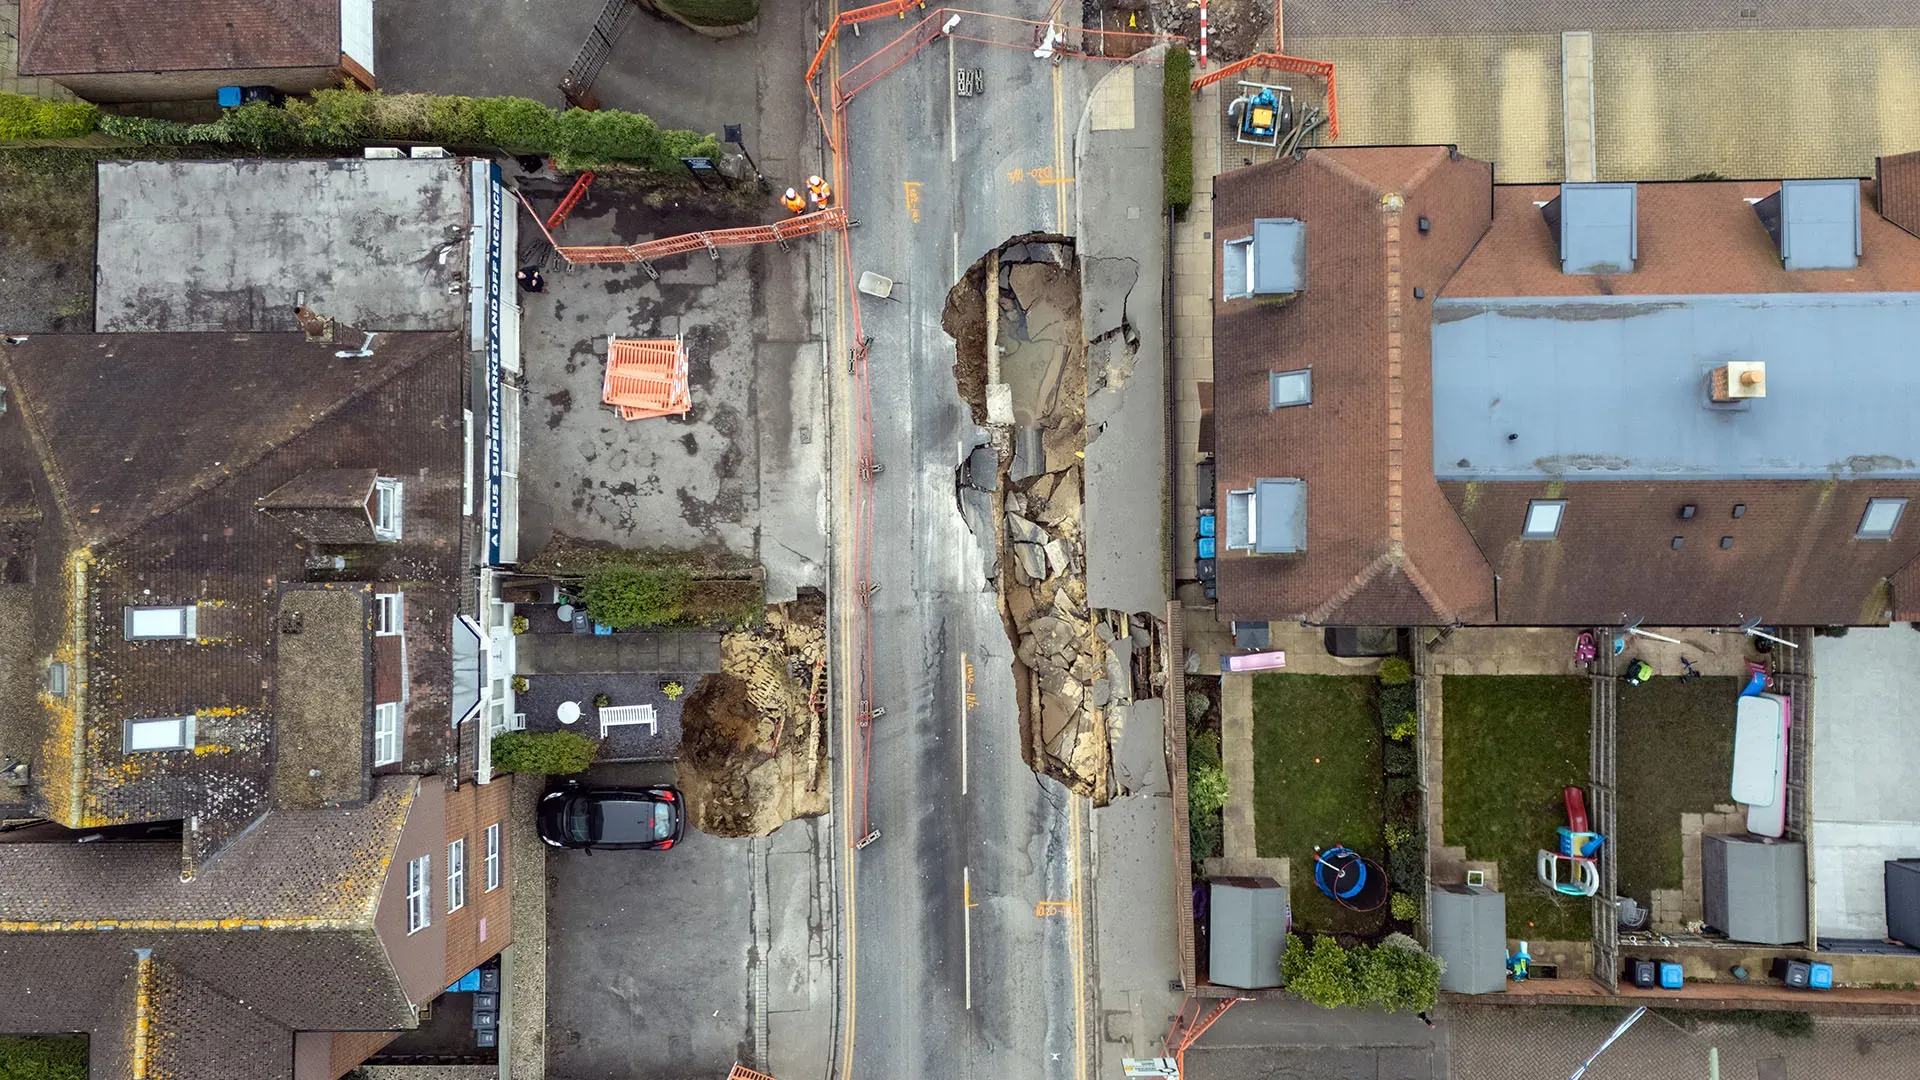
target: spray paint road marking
<point>912,189</point>
<point>967,702</point>
<point>953,94</point>
<point>1078,930</point>
<point>966,923</point>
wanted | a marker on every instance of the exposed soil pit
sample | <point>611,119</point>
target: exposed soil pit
<point>1024,373</point>
<point>753,742</point>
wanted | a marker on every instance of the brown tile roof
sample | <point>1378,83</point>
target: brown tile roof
<point>1382,545</point>
<point>1794,560</point>
<point>1897,189</point>
<point>71,37</point>
<point>1695,237</point>
<point>161,509</point>
<point>322,707</point>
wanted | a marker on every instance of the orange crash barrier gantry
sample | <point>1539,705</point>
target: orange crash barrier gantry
<point>647,378</point>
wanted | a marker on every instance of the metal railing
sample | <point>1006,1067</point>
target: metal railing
<point>577,84</point>
<point>1603,754</point>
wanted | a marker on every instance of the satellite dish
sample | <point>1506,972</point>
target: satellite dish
<point>1748,626</point>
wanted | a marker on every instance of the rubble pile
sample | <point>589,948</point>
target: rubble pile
<point>753,743</point>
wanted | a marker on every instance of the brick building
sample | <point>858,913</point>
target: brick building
<point>1445,401</point>
<point>243,836</point>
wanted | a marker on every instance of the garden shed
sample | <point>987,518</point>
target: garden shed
<point>1470,938</point>
<point>1754,888</point>
<point>1247,932</point>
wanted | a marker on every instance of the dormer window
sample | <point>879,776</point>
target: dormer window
<point>388,608</point>
<point>162,623</point>
<point>385,509</point>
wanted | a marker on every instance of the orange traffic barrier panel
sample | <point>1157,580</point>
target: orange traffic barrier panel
<point>1278,62</point>
<point>647,378</point>
<point>793,228</point>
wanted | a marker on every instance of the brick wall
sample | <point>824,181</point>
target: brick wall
<point>469,811</point>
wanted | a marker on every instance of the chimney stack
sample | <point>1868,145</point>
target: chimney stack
<point>1739,380</point>
<point>317,326</point>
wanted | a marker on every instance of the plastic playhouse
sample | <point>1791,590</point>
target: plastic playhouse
<point>1573,870</point>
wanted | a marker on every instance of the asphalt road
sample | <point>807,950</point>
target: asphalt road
<point>938,987</point>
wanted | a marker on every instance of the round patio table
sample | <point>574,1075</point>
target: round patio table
<point>569,712</point>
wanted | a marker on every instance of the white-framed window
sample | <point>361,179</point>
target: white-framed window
<point>157,733</point>
<point>457,874</point>
<point>388,610</point>
<point>386,733</point>
<point>1881,518</point>
<point>160,623</point>
<point>1286,388</point>
<point>419,894</point>
<point>386,508</point>
<point>491,866</point>
<point>1543,519</point>
<point>57,678</point>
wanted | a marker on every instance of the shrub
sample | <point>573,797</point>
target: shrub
<point>1401,759</point>
<point>673,690</point>
<point>624,596</point>
<point>520,684</point>
<point>1397,835</point>
<point>1206,792</point>
<point>1323,974</point>
<point>601,701</point>
<point>23,117</point>
<point>1405,728</point>
<point>515,123</point>
<point>457,121</point>
<point>713,12</point>
<point>1177,131</point>
<point>1400,790</point>
<point>1395,703</point>
<point>264,127</point>
<point>1404,907</point>
<point>1407,865</point>
<point>43,1057</point>
<point>555,753</point>
<point>1197,705</point>
<point>1398,979</point>
<point>520,624</point>
<point>1395,672</point>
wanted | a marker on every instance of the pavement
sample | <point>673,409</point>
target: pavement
<point>681,963</point>
<point>1866,808</point>
<point>956,968</point>
<point>1276,1038</point>
<point>744,471</point>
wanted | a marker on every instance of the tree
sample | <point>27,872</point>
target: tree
<point>1396,975</point>
<point>555,753</point>
<point>624,596</point>
<point>1323,974</point>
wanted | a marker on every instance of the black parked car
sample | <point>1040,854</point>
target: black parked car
<point>589,818</point>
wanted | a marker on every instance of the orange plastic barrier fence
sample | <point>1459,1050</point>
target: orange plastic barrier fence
<point>792,228</point>
<point>1277,62</point>
<point>647,378</point>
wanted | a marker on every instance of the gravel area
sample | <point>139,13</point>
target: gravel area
<point>541,703</point>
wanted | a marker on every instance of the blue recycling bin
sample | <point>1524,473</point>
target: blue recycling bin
<point>1671,977</point>
<point>1206,524</point>
<point>1820,977</point>
<point>1206,547</point>
<point>228,96</point>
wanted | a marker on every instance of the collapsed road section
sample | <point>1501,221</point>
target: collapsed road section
<point>1086,679</point>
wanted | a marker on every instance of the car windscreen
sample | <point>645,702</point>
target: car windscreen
<point>633,822</point>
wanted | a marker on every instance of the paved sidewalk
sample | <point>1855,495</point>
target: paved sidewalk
<point>1236,751</point>
<point>590,654</point>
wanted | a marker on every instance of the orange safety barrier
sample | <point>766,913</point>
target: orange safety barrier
<point>574,194</point>
<point>1277,62</point>
<point>741,1072</point>
<point>647,378</point>
<point>828,220</point>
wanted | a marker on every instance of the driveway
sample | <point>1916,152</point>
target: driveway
<point>677,964</point>
<point>1866,807</point>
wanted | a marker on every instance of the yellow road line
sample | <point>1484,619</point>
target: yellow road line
<point>1077,926</point>
<point>1059,153</point>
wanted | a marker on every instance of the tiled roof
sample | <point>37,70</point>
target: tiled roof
<point>1897,189</point>
<point>1382,544</point>
<point>1793,560</point>
<point>163,511</point>
<point>1695,237</point>
<point>322,708</point>
<point>70,37</point>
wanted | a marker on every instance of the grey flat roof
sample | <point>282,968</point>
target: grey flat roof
<point>1280,511</point>
<point>231,245</point>
<point>1279,255</point>
<point>1820,224</point>
<point>1613,387</point>
<point>1599,228</point>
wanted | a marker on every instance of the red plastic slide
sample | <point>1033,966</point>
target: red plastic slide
<point>1576,809</point>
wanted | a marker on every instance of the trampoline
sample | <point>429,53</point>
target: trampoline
<point>1348,879</point>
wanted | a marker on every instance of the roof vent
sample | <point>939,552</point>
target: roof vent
<point>1271,262</point>
<point>317,326</point>
<point>1596,227</point>
<point>1739,380</point>
<point>1814,223</point>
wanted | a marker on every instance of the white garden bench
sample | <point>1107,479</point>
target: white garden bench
<point>614,716</point>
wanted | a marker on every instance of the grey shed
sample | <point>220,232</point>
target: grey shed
<point>1470,938</point>
<point>1754,889</point>
<point>1903,901</point>
<point>1248,932</point>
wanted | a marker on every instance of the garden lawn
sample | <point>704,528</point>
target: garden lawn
<point>43,1057</point>
<point>1317,780</point>
<point>1676,757</point>
<point>1511,744</point>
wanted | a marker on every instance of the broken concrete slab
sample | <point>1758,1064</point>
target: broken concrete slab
<point>1139,747</point>
<point>1016,502</point>
<point>1117,675</point>
<point>1032,561</point>
<point>1000,404</point>
<point>1029,453</point>
<point>1019,605</point>
<point>1100,693</point>
<point>983,469</point>
<point>1104,285</point>
<point>1057,557</point>
<point>1053,636</point>
<point>1023,531</point>
<point>1064,504</point>
<point>1062,446</point>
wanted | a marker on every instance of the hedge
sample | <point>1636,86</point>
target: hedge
<point>43,1057</point>
<point>1207,792</point>
<point>1177,151</point>
<point>23,117</point>
<point>622,596</point>
<point>554,753</point>
<point>1398,976</point>
<point>712,12</point>
<point>345,118</point>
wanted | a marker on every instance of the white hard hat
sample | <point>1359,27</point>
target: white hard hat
<point>792,194</point>
<point>814,181</point>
